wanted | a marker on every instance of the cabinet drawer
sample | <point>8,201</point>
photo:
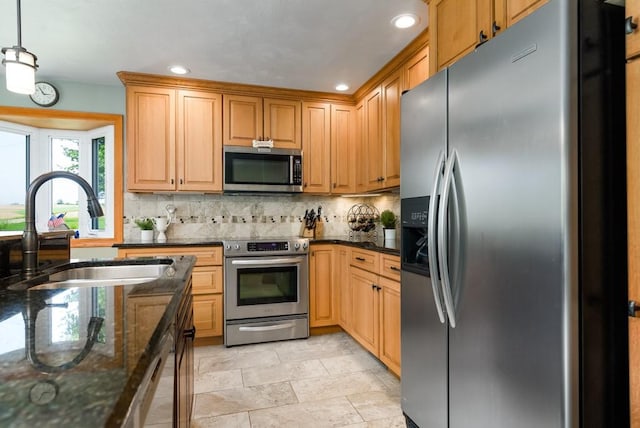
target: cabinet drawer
<point>367,260</point>
<point>205,256</point>
<point>207,279</point>
<point>390,266</point>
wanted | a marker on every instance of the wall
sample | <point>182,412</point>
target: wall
<point>74,96</point>
<point>253,216</point>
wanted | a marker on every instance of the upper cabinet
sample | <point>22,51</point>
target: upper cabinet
<point>255,118</point>
<point>343,149</point>
<point>316,147</point>
<point>632,11</point>
<point>416,69</point>
<point>458,26</point>
<point>173,140</point>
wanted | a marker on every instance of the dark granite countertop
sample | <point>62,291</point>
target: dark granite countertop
<point>47,377</point>
<point>184,242</point>
<point>379,245</point>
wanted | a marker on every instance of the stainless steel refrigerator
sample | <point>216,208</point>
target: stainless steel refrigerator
<point>514,229</point>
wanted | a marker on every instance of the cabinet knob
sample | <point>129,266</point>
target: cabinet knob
<point>305,184</point>
<point>495,28</point>
<point>482,38</point>
<point>378,288</point>
<point>373,286</point>
<point>190,333</point>
<point>633,308</point>
<point>629,25</point>
<point>334,185</point>
<point>181,181</point>
<point>172,181</point>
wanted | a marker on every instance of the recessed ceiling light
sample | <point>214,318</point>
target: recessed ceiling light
<point>405,20</point>
<point>342,87</point>
<point>178,69</point>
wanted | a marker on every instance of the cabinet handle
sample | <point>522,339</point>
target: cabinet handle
<point>629,25</point>
<point>482,38</point>
<point>633,308</point>
<point>334,185</point>
<point>373,286</point>
<point>397,269</point>
<point>495,28</point>
<point>305,184</point>
<point>181,181</point>
<point>191,333</point>
<point>360,259</point>
<point>378,288</point>
<point>172,181</point>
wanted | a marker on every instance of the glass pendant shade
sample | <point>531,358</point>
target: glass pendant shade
<point>21,69</point>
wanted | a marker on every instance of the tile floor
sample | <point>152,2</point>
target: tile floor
<point>323,381</point>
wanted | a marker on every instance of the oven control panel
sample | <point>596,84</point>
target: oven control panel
<point>266,246</point>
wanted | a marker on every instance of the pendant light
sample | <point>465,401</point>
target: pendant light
<point>21,65</point>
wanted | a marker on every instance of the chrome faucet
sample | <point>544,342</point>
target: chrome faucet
<point>30,234</point>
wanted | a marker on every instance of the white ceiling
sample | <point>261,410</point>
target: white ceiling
<point>298,44</point>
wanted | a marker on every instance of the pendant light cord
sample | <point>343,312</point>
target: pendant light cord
<point>19,24</point>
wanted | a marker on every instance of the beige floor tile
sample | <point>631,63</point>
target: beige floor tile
<point>234,360</point>
<point>334,412</point>
<point>358,362</point>
<point>375,405</point>
<point>390,381</point>
<point>396,422</point>
<point>283,372</point>
<point>243,399</point>
<point>329,387</point>
<point>216,381</point>
<point>234,420</point>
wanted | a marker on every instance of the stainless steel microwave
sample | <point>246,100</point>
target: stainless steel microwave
<point>262,170</point>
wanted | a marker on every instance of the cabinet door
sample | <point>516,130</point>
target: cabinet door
<point>316,146</point>
<point>417,69</point>
<point>455,29</point>
<point>391,91</point>
<point>343,285</point>
<point>365,308</point>
<point>361,149</point>
<point>518,9</point>
<point>632,11</point>
<point>207,315</point>
<point>151,139</point>
<point>242,120</point>
<point>373,139</point>
<point>184,373</point>
<point>343,149</point>
<point>199,141</point>
<point>321,293</point>
<point>633,231</point>
<point>390,324</point>
<point>282,123</point>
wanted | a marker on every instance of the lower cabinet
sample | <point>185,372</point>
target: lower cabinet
<point>360,291</point>
<point>207,289</point>
<point>184,389</point>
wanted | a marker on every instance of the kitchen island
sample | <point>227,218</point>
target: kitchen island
<point>82,356</point>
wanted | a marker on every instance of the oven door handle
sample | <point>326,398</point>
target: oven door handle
<point>268,327</point>
<point>265,261</point>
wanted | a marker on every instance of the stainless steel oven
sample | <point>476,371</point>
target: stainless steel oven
<point>266,290</point>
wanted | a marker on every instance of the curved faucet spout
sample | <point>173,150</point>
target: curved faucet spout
<point>30,235</point>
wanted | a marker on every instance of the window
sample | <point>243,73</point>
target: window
<point>86,153</point>
<point>34,142</point>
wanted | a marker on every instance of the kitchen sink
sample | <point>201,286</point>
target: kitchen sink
<point>84,274</point>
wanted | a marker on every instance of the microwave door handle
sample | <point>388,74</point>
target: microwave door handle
<point>291,169</point>
<point>263,262</point>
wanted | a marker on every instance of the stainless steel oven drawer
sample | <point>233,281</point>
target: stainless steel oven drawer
<point>241,332</point>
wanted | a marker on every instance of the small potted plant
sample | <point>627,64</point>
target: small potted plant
<point>388,220</point>
<point>146,228</point>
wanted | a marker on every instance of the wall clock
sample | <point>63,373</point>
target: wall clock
<point>45,95</point>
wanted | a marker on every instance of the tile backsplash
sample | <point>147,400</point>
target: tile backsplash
<point>245,216</point>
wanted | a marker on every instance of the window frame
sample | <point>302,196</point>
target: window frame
<point>81,121</point>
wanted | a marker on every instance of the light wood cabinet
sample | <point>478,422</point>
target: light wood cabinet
<point>316,146</point>
<point>173,140</point>
<point>375,293</point>
<point>458,26</point>
<point>372,139</point>
<point>248,118</point>
<point>361,148</point>
<point>391,91</point>
<point>207,284</point>
<point>343,149</point>
<point>184,364</point>
<point>344,292</point>
<point>416,69</point>
<point>633,229</point>
<point>322,308</point>
<point>632,11</point>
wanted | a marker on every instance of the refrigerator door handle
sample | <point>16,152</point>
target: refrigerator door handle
<point>442,238</point>
<point>431,235</point>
